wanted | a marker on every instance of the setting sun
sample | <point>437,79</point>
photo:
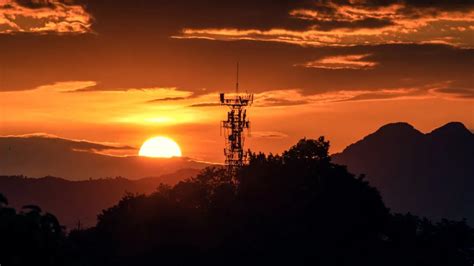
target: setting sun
<point>160,147</point>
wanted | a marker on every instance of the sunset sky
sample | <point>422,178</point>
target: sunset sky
<point>123,71</point>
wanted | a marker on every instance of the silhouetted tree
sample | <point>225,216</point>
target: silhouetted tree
<point>297,208</point>
<point>3,201</point>
<point>30,237</point>
<point>415,241</point>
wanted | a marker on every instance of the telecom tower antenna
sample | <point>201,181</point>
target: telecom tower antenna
<point>234,126</point>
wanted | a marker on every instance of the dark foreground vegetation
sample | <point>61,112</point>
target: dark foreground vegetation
<point>293,209</point>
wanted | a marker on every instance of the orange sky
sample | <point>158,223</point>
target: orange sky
<point>125,71</point>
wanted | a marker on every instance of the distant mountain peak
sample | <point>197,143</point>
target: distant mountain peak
<point>397,129</point>
<point>397,126</point>
<point>389,134</point>
<point>452,129</point>
<point>426,174</point>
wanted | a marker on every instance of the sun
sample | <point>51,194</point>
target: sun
<point>160,147</point>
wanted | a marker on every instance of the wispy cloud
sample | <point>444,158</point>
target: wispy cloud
<point>167,99</point>
<point>356,61</point>
<point>455,92</point>
<point>338,24</point>
<point>76,144</point>
<point>205,104</point>
<point>67,86</point>
<point>403,93</point>
<point>128,106</point>
<point>41,17</point>
<point>269,134</point>
<point>294,97</point>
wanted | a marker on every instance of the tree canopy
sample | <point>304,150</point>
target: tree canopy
<point>297,208</point>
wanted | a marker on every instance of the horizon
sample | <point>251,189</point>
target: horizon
<point>81,160</point>
<point>133,151</point>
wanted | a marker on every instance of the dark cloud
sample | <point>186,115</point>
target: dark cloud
<point>440,4</point>
<point>60,17</point>
<point>248,14</point>
<point>36,3</point>
<point>132,49</point>
<point>167,99</point>
<point>328,6</point>
<point>269,134</point>
<point>204,105</point>
<point>354,23</point>
<point>366,23</point>
<point>195,65</point>
<point>57,143</point>
<point>356,61</point>
<point>385,95</point>
<point>398,66</point>
<point>467,93</point>
<point>372,96</point>
<point>264,14</point>
<point>274,102</point>
<point>169,18</point>
<point>38,156</point>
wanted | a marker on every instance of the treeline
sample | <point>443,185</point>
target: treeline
<point>297,208</point>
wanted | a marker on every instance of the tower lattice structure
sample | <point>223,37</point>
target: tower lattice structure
<point>235,125</point>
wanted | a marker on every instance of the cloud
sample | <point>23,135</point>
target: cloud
<point>345,23</point>
<point>274,102</point>
<point>61,102</point>
<point>67,86</point>
<point>269,134</point>
<point>408,93</point>
<point>461,93</point>
<point>166,99</point>
<point>38,155</point>
<point>305,22</point>
<point>280,98</point>
<point>56,143</point>
<point>97,87</point>
<point>148,58</point>
<point>356,61</point>
<point>176,14</point>
<point>72,143</point>
<point>207,69</point>
<point>294,97</point>
<point>43,16</point>
<point>207,104</point>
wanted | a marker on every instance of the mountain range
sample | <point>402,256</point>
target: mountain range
<point>428,174</point>
<point>78,202</point>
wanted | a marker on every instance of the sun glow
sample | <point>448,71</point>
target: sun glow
<point>160,147</point>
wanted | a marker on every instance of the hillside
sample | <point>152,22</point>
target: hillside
<point>427,174</point>
<point>74,201</point>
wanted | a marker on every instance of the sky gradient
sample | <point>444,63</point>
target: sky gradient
<point>123,71</point>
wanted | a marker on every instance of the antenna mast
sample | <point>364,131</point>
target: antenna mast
<point>234,126</point>
<point>237,80</point>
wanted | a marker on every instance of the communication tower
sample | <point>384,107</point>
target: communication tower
<point>234,126</point>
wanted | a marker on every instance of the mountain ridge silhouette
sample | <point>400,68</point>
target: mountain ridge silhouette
<point>428,174</point>
<point>80,201</point>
